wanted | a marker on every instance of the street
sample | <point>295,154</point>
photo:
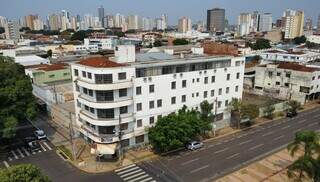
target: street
<point>227,154</point>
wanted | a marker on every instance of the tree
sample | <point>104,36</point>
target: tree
<point>157,43</point>
<point>293,106</point>
<point>24,29</point>
<point>180,42</point>
<point>49,53</point>
<point>306,165</point>
<point>300,40</point>
<point>249,111</point>
<point>260,44</point>
<point>2,30</point>
<point>79,35</point>
<point>268,111</point>
<point>17,102</point>
<point>23,173</point>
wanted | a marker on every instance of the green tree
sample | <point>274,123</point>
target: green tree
<point>17,102</point>
<point>249,111</point>
<point>293,106</point>
<point>268,111</point>
<point>302,168</point>
<point>260,44</point>
<point>300,40</point>
<point>23,173</point>
<point>79,35</point>
<point>180,42</point>
<point>235,107</point>
<point>157,43</point>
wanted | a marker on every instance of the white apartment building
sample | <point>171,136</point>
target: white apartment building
<point>99,43</point>
<point>288,81</point>
<point>300,57</point>
<point>128,93</point>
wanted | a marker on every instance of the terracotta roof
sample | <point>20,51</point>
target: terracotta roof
<point>99,62</point>
<point>297,67</point>
<point>52,67</point>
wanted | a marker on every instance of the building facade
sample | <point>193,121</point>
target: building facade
<point>129,93</point>
<point>289,56</point>
<point>294,21</point>
<point>216,20</point>
<point>265,23</point>
<point>184,25</point>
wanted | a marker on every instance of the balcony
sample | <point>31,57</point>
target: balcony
<point>105,86</point>
<point>125,101</point>
<point>125,118</point>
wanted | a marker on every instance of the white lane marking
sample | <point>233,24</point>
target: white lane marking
<point>285,127</point>
<point>33,153</point>
<point>25,151</point>
<point>148,179</point>
<point>221,150</point>
<point>302,121</point>
<point>128,170</point>
<point>257,146</point>
<point>269,133</point>
<point>190,161</point>
<point>14,154</point>
<point>130,173</point>
<point>245,142</point>
<point>295,131</point>
<point>121,169</point>
<point>198,169</point>
<point>278,138</point>
<point>312,124</point>
<point>316,116</point>
<point>42,147</point>
<point>232,156</point>
<point>10,159</point>
<point>21,154</point>
<point>6,164</point>
<point>133,176</point>
<point>45,143</point>
<point>210,146</point>
<point>138,178</point>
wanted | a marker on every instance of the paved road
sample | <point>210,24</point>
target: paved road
<point>229,153</point>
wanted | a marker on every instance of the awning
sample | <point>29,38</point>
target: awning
<point>104,149</point>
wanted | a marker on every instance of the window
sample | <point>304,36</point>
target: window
<point>104,95</point>
<point>193,80</point>
<point>173,100</point>
<point>86,107</point>
<point>89,75</point>
<point>212,93</point>
<point>238,75</point>
<point>313,77</point>
<point>90,92</point>
<point>125,143</point>
<point>219,104</point>
<point>277,83</point>
<point>124,110</point>
<point>151,104</point>
<point>184,83</point>
<point>270,73</point>
<point>236,88</point>
<point>123,92</point>
<point>92,110</point>
<point>124,126</point>
<point>140,139</point>
<point>51,76</point>
<point>288,75</point>
<point>213,79</point>
<point>139,123</point>
<point>205,94</point>
<point>139,106</point>
<point>173,85</point>
<point>151,88</point>
<point>85,90</point>
<point>78,104</point>
<point>205,80</point>
<point>220,91</point>
<point>183,98</point>
<point>138,90</point>
<point>65,74</point>
<point>122,76</point>
<point>103,78</point>
<point>286,84</point>
<point>76,72</point>
<point>228,76</point>
<point>198,79</point>
<point>238,63</point>
<point>84,74</point>
<point>192,94</point>
<point>105,113</point>
<point>226,103</point>
<point>159,103</point>
<point>197,94</point>
<point>77,88</point>
<point>227,90</point>
<point>151,120</point>
<point>278,73</point>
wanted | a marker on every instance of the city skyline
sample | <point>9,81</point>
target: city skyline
<point>196,11</point>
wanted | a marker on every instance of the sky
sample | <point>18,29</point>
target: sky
<point>195,9</point>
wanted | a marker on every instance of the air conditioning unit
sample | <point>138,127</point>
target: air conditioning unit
<point>225,69</point>
<point>181,74</point>
<point>200,72</point>
<point>150,78</point>
<point>205,72</point>
<point>174,75</point>
<point>144,79</point>
<point>215,70</point>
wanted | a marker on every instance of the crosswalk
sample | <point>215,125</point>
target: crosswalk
<point>22,152</point>
<point>133,173</point>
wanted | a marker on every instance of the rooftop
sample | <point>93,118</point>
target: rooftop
<point>99,62</point>
<point>295,67</point>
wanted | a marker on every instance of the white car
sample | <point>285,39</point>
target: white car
<point>40,135</point>
<point>194,145</point>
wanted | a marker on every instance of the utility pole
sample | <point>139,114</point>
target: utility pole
<point>120,136</point>
<point>71,136</point>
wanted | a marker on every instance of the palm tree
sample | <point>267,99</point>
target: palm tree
<point>302,168</point>
<point>307,141</point>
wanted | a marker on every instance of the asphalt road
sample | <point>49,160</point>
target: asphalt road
<point>230,153</point>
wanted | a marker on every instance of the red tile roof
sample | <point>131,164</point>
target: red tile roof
<point>99,62</point>
<point>297,67</point>
<point>53,67</point>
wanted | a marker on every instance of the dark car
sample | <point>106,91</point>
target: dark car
<point>32,144</point>
<point>291,114</point>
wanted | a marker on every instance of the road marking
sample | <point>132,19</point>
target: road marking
<point>25,151</point>
<point>221,150</point>
<point>288,126</point>
<point>198,169</point>
<point>6,164</point>
<point>312,124</point>
<point>14,154</point>
<point>316,116</point>
<point>245,142</point>
<point>33,153</point>
<point>121,169</point>
<point>209,146</point>
<point>295,131</point>
<point>301,121</point>
<point>10,159</point>
<point>257,146</point>
<point>21,154</point>
<point>42,147</point>
<point>278,138</point>
<point>125,171</point>
<point>190,161</point>
<point>136,179</point>
<point>133,172</point>
<point>45,143</point>
<point>148,179</point>
<point>269,133</point>
<point>232,156</point>
<point>133,176</point>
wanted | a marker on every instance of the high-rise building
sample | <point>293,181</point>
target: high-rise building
<point>184,25</point>
<point>133,22</point>
<point>3,21</point>
<point>109,21</point>
<point>200,26</point>
<point>38,24</point>
<point>265,23</point>
<point>74,23</point>
<point>245,23</point>
<point>54,22</point>
<point>216,20</point>
<point>294,21</point>
<point>308,25</point>
<point>29,21</point>
<point>101,15</point>
<point>11,30</point>
<point>164,18</point>
<point>318,24</point>
<point>255,21</point>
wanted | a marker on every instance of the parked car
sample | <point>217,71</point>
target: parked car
<point>32,144</point>
<point>194,145</point>
<point>291,114</point>
<point>40,135</point>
